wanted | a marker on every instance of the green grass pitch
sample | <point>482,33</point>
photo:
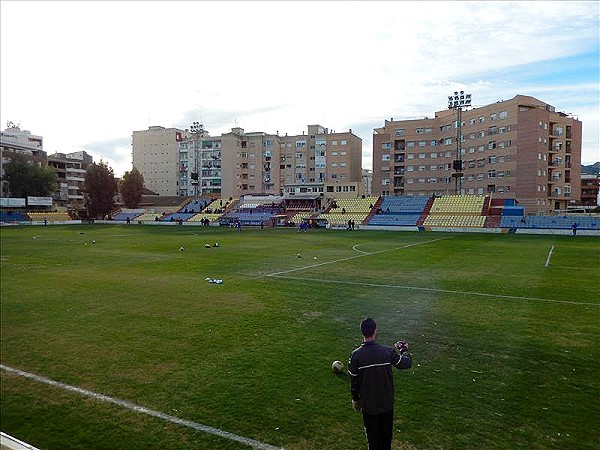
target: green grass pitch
<point>506,351</point>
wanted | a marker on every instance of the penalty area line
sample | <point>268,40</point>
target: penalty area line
<point>354,257</point>
<point>140,409</point>
<point>444,291</point>
<point>549,256</point>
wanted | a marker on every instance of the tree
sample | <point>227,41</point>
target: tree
<point>26,178</point>
<point>132,186</point>
<point>100,187</point>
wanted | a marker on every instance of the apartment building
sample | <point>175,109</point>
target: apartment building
<point>14,140</point>
<point>590,186</point>
<point>239,163</point>
<point>155,153</point>
<point>70,169</point>
<point>520,148</point>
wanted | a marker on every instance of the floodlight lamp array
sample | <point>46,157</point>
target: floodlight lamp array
<point>459,100</point>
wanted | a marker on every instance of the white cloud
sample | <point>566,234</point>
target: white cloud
<point>86,72</point>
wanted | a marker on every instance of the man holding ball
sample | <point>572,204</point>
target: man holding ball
<point>372,385</point>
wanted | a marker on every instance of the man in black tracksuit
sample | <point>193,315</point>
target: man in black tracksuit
<point>372,385</point>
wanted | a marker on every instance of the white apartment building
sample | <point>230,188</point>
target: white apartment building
<point>155,154</point>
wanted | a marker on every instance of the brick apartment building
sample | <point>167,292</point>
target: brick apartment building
<point>237,163</point>
<point>520,148</point>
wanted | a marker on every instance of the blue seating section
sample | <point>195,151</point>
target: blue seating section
<point>194,206</point>
<point>175,217</point>
<point>512,210</point>
<point>13,216</point>
<point>556,222</point>
<point>124,215</point>
<point>404,204</point>
<point>246,217</point>
<point>402,220</point>
<point>400,211</point>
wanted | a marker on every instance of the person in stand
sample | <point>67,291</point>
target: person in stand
<point>372,384</point>
<point>574,228</point>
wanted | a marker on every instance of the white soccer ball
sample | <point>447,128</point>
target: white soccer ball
<point>93,242</point>
<point>337,366</point>
<point>180,249</point>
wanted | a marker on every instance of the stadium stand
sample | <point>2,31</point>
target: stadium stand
<point>456,211</point>
<point>130,214</point>
<point>177,216</point>
<point>551,222</point>
<point>50,216</point>
<point>399,211</point>
<point>343,210</point>
<point>13,217</point>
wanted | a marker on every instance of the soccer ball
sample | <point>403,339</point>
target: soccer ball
<point>93,242</point>
<point>337,366</point>
<point>180,249</point>
<point>207,245</point>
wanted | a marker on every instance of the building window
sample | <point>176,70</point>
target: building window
<point>410,156</point>
<point>421,155</point>
<point>399,132</point>
<point>422,143</point>
<point>481,119</point>
<point>433,143</point>
<point>385,157</point>
<point>343,142</point>
<point>385,182</point>
<point>410,144</point>
<point>386,145</point>
<point>472,121</point>
<point>503,115</point>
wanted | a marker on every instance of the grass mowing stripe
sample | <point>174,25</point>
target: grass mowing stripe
<point>355,256</point>
<point>446,291</point>
<point>140,409</point>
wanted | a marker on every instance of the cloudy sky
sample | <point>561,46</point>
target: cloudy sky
<point>85,75</point>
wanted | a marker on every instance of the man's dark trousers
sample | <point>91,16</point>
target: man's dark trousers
<point>379,430</point>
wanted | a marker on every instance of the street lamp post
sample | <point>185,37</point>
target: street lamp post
<point>458,101</point>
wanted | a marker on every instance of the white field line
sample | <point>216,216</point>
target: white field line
<point>357,250</point>
<point>140,409</point>
<point>445,291</point>
<point>549,256</point>
<point>354,257</point>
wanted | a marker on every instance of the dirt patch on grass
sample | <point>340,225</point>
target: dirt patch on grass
<point>309,315</point>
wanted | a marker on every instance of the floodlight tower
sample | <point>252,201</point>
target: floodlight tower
<point>197,130</point>
<point>458,101</point>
